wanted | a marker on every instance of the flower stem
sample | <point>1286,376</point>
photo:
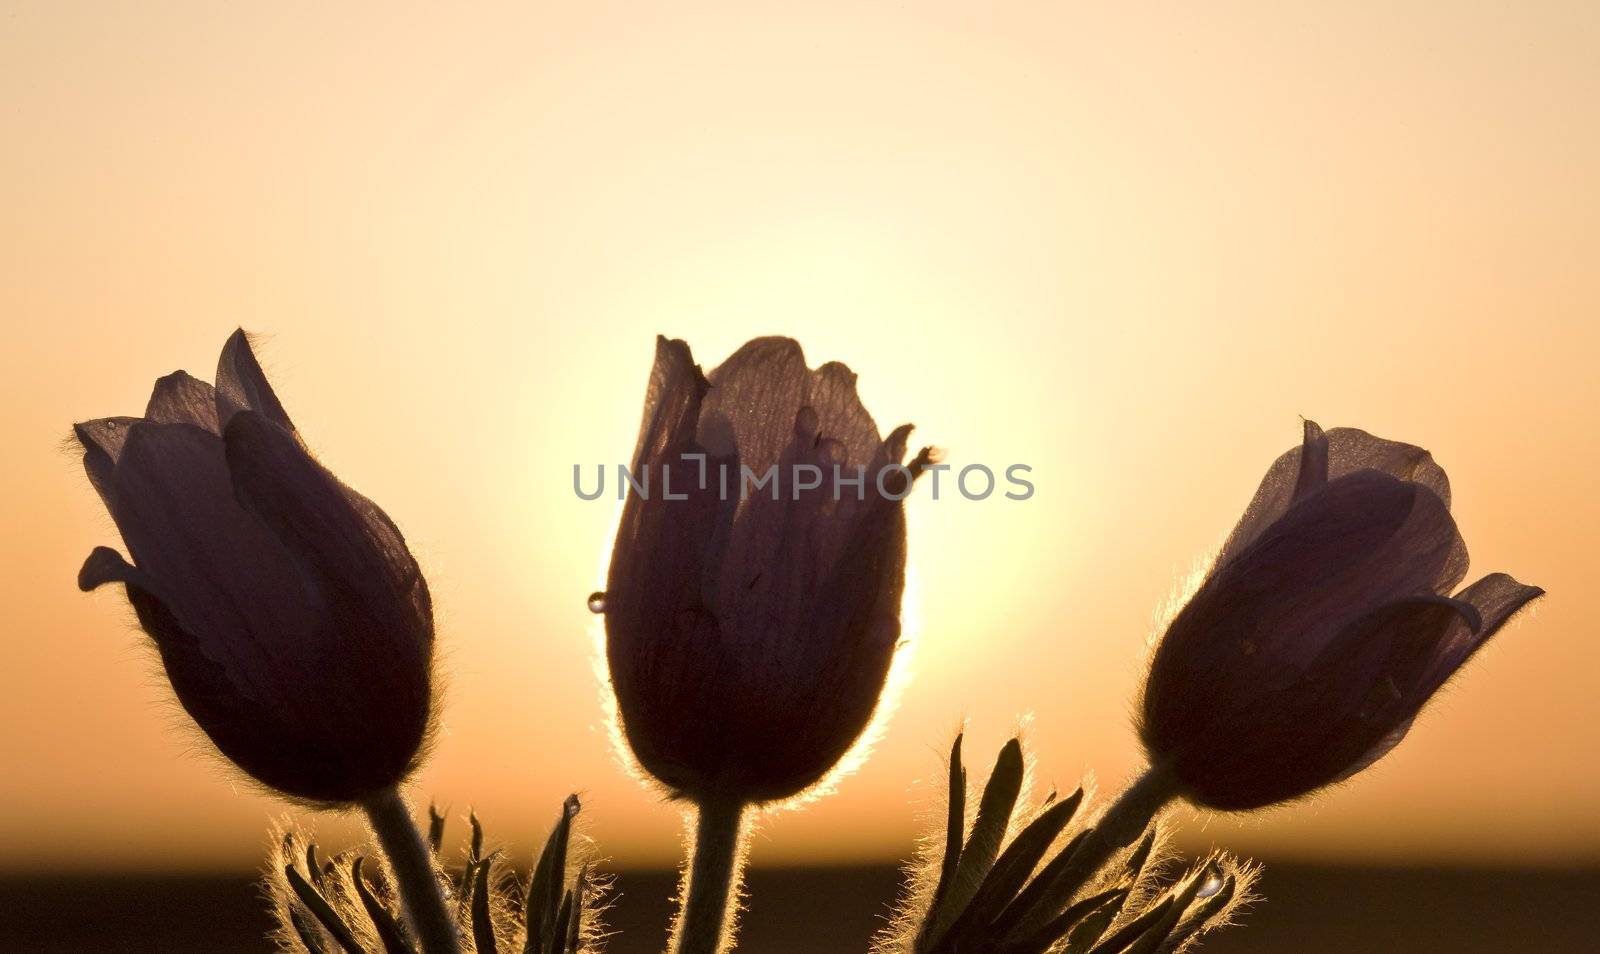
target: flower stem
<point>1128,816</point>
<point>412,864</point>
<point>705,925</point>
<point>1120,826</point>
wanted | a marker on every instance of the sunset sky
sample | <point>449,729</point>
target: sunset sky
<point>1129,247</point>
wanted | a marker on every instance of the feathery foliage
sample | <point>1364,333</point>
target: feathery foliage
<point>349,904</point>
<point>1009,877</point>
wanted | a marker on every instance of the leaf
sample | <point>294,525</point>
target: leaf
<point>1063,877</point>
<point>1141,855</point>
<point>1015,864</point>
<point>558,933</point>
<point>1196,918</point>
<point>435,827</point>
<point>475,852</point>
<point>955,822</point>
<point>325,914</point>
<point>955,831</point>
<point>580,889</point>
<point>988,831</point>
<point>482,923</point>
<point>394,941</point>
<point>1050,890</point>
<point>1157,933</point>
<point>312,867</point>
<point>1095,923</point>
<point>305,929</point>
<point>1096,913</point>
<point>1058,882</point>
<point>1119,941</point>
<point>541,907</point>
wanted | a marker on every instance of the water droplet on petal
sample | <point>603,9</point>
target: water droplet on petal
<point>597,602</point>
<point>1210,888</point>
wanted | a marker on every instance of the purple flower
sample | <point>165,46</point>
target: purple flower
<point>1328,620</point>
<point>749,637</point>
<point>293,623</point>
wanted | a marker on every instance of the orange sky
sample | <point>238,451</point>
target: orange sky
<point>1128,248</point>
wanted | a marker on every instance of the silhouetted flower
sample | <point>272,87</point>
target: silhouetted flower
<point>749,637</point>
<point>293,623</point>
<point>1326,623</point>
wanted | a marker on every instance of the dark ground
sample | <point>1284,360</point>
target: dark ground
<point>1309,910</point>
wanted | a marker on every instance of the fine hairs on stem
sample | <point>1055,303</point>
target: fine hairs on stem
<point>1118,827</point>
<point>1126,818</point>
<point>412,864</point>
<point>706,921</point>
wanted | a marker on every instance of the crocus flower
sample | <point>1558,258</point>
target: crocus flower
<point>1329,619</point>
<point>749,637</point>
<point>293,623</point>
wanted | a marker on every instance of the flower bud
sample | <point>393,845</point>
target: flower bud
<point>293,623</point>
<point>750,630</point>
<point>1328,620</point>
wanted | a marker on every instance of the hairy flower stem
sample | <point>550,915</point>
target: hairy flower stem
<point>412,864</point>
<point>1128,816</point>
<point>704,926</point>
<point>1120,826</point>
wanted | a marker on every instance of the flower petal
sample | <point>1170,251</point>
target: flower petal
<point>243,386</point>
<point>1364,541</point>
<point>224,576</point>
<point>894,446</point>
<point>1479,612</point>
<point>671,404</point>
<point>105,436</point>
<point>278,481</point>
<point>1338,453</point>
<point>1281,487</point>
<point>305,737</point>
<point>1313,470</point>
<point>1495,599</point>
<point>102,442</point>
<point>1351,449</point>
<point>230,710</point>
<point>831,392</point>
<point>105,565</point>
<point>1255,745</point>
<point>757,391</point>
<point>180,398</point>
<point>356,558</point>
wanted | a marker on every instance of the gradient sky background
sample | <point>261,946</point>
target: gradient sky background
<point>1128,247</point>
